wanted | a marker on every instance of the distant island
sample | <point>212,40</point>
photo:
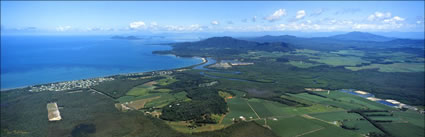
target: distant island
<point>126,37</point>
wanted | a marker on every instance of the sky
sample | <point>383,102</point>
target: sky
<point>100,17</point>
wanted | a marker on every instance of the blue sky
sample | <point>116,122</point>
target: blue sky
<point>237,16</point>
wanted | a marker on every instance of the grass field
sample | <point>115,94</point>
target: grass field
<point>301,64</point>
<point>131,98</point>
<point>404,129</point>
<point>342,100</point>
<point>362,126</point>
<point>182,126</point>
<point>238,107</point>
<point>336,116</point>
<point>293,126</point>
<point>138,104</point>
<point>412,117</point>
<point>166,81</point>
<point>140,90</point>
<point>167,98</point>
<point>340,61</point>
<point>350,52</point>
<point>356,100</point>
<point>396,67</point>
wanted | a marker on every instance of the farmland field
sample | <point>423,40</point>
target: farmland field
<point>238,107</point>
<point>336,116</point>
<point>292,126</point>
<point>403,129</point>
<point>361,126</point>
<point>340,61</point>
<point>396,67</point>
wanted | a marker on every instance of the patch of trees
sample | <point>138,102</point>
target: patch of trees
<point>349,128</point>
<point>377,115</point>
<point>186,81</point>
<point>205,101</point>
<point>312,93</point>
<point>83,130</point>
<point>373,122</point>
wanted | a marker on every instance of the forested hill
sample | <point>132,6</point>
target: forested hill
<point>223,46</point>
<point>344,41</point>
<point>361,36</point>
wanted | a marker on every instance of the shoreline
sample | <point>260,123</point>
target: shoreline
<point>204,60</point>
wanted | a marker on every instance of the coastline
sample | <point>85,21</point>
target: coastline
<point>204,60</point>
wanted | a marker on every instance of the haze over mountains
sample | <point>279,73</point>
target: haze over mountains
<point>361,36</point>
<point>352,39</point>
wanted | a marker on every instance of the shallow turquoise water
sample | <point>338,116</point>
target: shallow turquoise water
<point>30,60</point>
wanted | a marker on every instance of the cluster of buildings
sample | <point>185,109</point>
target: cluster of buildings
<point>162,72</point>
<point>241,63</point>
<point>229,64</point>
<point>69,85</point>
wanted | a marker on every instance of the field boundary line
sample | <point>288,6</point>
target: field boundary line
<point>252,109</point>
<point>310,117</point>
<point>309,132</point>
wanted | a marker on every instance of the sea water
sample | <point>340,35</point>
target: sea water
<point>31,60</point>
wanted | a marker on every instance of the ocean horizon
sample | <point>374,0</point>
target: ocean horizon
<point>33,60</point>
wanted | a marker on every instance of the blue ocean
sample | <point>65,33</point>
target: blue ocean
<point>31,60</point>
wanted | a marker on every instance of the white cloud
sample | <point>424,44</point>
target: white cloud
<point>63,28</point>
<point>215,22</point>
<point>137,25</point>
<point>379,16</point>
<point>300,14</point>
<point>308,21</point>
<point>154,23</point>
<point>395,19</point>
<point>276,15</point>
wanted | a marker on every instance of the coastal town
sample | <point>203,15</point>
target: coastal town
<point>70,85</point>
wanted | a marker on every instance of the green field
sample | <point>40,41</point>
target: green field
<point>342,100</point>
<point>340,61</point>
<point>350,52</point>
<point>301,64</point>
<point>362,126</point>
<point>166,81</point>
<point>412,117</point>
<point>293,126</point>
<point>404,129</point>
<point>355,100</point>
<point>396,67</point>
<point>336,116</point>
<point>238,107</point>
<point>140,90</point>
<point>166,99</point>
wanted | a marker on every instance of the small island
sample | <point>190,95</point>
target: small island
<point>126,37</point>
